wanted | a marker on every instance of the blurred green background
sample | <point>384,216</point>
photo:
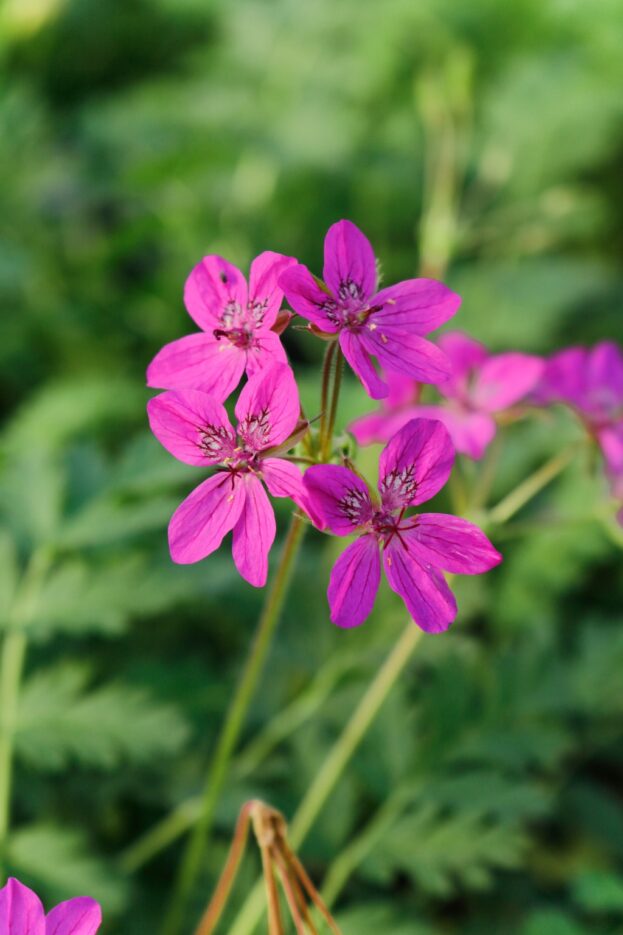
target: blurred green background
<point>474,138</point>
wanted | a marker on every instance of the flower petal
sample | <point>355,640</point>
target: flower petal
<point>405,353</point>
<point>81,916</point>
<point>307,298</point>
<point>284,479</point>
<point>471,432</point>
<point>20,910</point>
<point>424,590</point>
<point>505,379</point>
<point>564,378</point>
<point>381,425</point>
<point>415,464</point>
<point>200,523</point>
<point>610,439</point>
<point>266,349</point>
<point>268,407</point>
<point>213,288</point>
<point>355,353</point>
<point>198,361</point>
<point>254,533</point>
<point>349,263</point>
<point>354,582</point>
<point>337,498</point>
<point>415,305</point>
<point>265,293</point>
<point>452,544</point>
<point>192,426</point>
<point>605,377</point>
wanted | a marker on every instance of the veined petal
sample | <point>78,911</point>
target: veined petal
<point>337,498</point>
<point>354,582</point>
<point>424,590</point>
<point>415,305</point>
<point>265,350</point>
<point>415,464</point>
<point>198,361</point>
<point>405,353</point>
<point>214,289</point>
<point>268,407</point>
<point>505,379</point>
<point>200,523</point>
<point>349,263</point>
<point>192,426</point>
<point>265,293</point>
<point>81,916</point>
<point>284,479</point>
<point>307,298</point>
<point>254,533</point>
<point>359,359</point>
<point>20,910</point>
<point>451,543</point>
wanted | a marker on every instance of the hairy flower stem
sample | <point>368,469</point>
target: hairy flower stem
<point>324,393</point>
<point>230,732</point>
<point>334,765</point>
<point>335,396</point>
<point>531,486</point>
<point>11,671</point>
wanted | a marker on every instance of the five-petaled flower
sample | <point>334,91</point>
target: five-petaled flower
<point>21,913</point>
<point>237,327</point>
<point>195,428</point>
<point>481,386</point>
<point>591,382</point>
<point>388,324</point>
<point>416,549</point>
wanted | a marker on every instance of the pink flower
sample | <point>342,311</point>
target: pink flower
<point>591,382</point>
<point>388,325</point>
<point>481,385</point>
<point>236,324</point>
<point>21,913</point>
<point>195,428</point>
<point>416,548</point>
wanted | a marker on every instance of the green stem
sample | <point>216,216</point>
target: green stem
<point>324,392</point>
<point>11,671</point>
<point>531,486</point>
<point>335,396</point>
<point>334,765</point>
<point>228,737</point>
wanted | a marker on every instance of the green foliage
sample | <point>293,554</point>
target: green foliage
<point>138,136</point>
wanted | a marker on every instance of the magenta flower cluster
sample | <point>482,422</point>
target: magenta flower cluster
<point>241,333</point>
<point>21,913</point>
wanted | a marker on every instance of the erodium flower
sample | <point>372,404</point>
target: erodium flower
<point>236,323</point>
<point>195,428</point>
<point>388,325</point>
<point>591,382</point>
<point>481,386</point>
<point>414,548</point>
<point>21,913</point>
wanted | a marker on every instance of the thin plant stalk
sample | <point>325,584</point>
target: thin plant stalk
<point>335,395</point>
<point>324,392</point>
<point>532,485</point>
<point>230,732</point>
<point>213,913</point>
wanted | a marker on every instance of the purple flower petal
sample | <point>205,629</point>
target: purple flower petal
<point>424,590</point>
<point>192,426</point>
<point>265,293</point>
<point>268,407</point>
<point>201,362</point>
<point>307,298</point>
<point>21,911</point>
<point>254,533</point>
<point>355,353</point>
<point>204,518</point>
<point>265,350</point>
<point>610,439</point>
<point>471,432</point>
<point>380,426</point>
<point>349,263</point>
<point>354,582</point>
<point>284,479</point>
<point>405,353</point>
<point>337,498</point>
<point>605,377</point>
<point>415,464</point>
<point>564,377</point>
<point>81,916</point>
<point>452,544</point>
<point>505,379</point>
<point>415,305</point>
<point>213,288</point>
